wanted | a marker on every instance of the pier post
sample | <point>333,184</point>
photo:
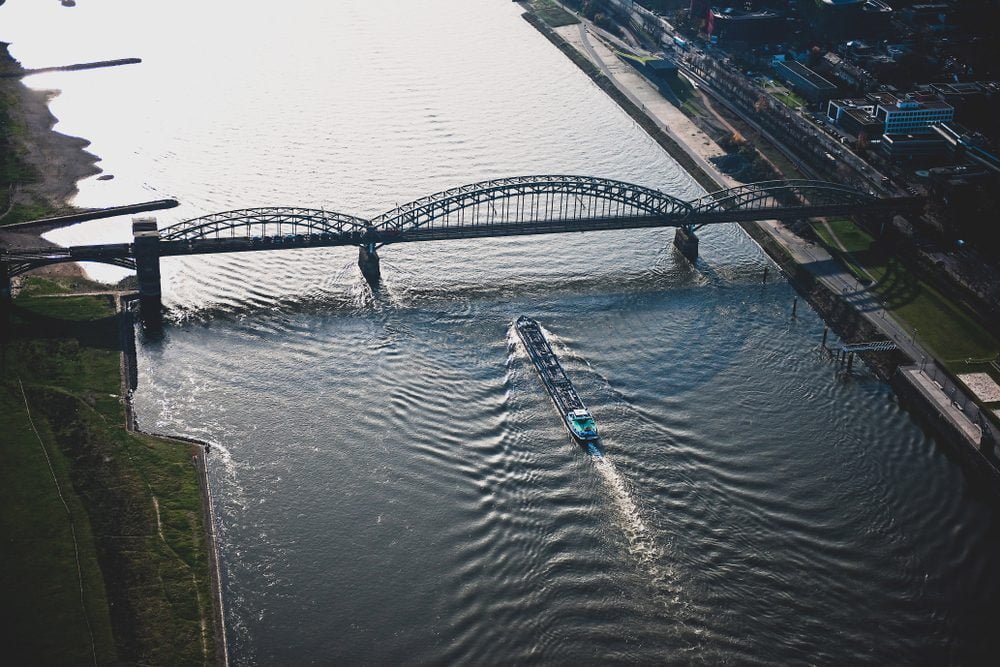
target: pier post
<point>146,248</point>
<point>686,241</point>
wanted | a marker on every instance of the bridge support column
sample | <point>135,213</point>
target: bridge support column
<point>146,246</point>
<point>686,241</point>
<point>368,262</point>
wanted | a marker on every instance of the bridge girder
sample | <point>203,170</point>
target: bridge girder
<point>267,221</point>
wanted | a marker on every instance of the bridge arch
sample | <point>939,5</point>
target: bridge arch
<point>24,265</point>
<point>510,202</point>
<point>268,221</point>
<point>779,194</point>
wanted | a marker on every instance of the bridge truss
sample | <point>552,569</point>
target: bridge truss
<point>497,207</point>
<point>261,222</point>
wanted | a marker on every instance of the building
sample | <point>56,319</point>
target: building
<point>730,26</point>
<point>912,114</point>
<point>806,82</point>
<point>977,104</point>
<point>922,148</point>
<point>856,116</point>
<point>842,19</point>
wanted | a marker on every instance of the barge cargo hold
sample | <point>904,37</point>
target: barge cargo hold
<point>578,420</point>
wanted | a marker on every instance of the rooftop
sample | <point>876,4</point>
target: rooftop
<point>807,74</point>
<point>911,102</point>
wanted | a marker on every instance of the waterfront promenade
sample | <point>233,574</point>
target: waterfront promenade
<point>947,398</point>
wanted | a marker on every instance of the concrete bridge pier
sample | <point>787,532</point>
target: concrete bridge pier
<point>146,246</point>
<point>368,262</point>
<point>686,241</point>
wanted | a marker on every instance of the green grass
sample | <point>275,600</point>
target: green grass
<point>944,327</point>
<point>642,60</point>
<point>682,88</point>
<point>790,100</point>
<point>146,597</point>
<point>552,14</point>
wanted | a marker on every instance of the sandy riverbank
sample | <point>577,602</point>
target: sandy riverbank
<point>58,161</point>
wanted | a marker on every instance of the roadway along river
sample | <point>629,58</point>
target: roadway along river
<point>392,482</point>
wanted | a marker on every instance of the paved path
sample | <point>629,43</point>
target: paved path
<point>701,148</point>
<point>647,97</point>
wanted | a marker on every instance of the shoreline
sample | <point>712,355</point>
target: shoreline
<point>57,161</point>
<point>60,161</point>
<point>850,325</point>
<point>125,304</point>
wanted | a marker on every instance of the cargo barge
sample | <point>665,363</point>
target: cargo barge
<point>578,420</point>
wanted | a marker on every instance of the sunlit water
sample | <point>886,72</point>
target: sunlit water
<point>393,484</point>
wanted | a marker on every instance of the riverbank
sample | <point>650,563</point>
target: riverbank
<point>41,166</point>
<point>109,532</point>
<point>105,529</point>
<point>840,310</point>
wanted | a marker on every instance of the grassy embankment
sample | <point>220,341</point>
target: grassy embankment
<point>131,532</point>
<point>946,329</point>
<point>553,15</point>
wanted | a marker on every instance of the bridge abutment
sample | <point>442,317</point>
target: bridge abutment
<point>368,262</point>
<point>146,246</point>
<point>686,241</point>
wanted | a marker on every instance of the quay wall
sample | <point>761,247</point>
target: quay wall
<point>127,306</point>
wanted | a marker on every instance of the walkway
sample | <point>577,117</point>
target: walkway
<point>701,147</point>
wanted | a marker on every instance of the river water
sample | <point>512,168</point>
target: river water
<point>392,482</point>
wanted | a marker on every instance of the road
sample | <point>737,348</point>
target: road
<point>814,258</point>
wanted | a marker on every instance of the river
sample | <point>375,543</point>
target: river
<point>392,482</point>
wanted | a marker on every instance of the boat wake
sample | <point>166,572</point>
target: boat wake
<point>640,538</point>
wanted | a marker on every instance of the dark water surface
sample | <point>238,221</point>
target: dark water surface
<point>392,482</point>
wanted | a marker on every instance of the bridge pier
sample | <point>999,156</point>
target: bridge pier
<point>146,246</point>
<point>368,262</point>
<point>686,241</point>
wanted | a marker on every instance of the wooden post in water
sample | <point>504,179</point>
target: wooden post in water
<point>795,306</point>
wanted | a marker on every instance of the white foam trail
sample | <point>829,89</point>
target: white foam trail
<point>641,542</point>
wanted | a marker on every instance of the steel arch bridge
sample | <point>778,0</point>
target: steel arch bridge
<point>499,207</point>
<point>533,205</point>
